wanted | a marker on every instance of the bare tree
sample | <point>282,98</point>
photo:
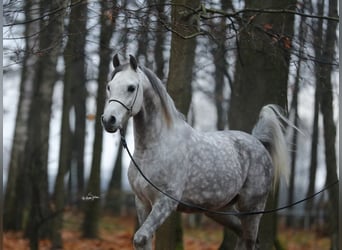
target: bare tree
<point>261,77</point>
<point>329,127</point>
<point>17,176</point>
<point>317,42</point>
<point>36,157</point>
<point>160,40</point>
<point>92,209</point>
<point>302,35</point>
<point>74,93</point>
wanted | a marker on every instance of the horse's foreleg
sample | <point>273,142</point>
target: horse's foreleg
<point>142,213</point>
<point>142,210</point>
<point>160,211</point>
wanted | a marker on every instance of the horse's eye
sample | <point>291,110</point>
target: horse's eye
<point>108,87</point>
<point>131,88</point>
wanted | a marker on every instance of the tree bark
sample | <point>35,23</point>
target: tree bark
<point>182,54</point>
<point>143,37</point>
<point>262,65</point>
<point>313,155</point>
<point>220,67</point>
<point>160,39</point>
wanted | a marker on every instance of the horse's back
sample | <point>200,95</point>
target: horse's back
<point>235,144</point>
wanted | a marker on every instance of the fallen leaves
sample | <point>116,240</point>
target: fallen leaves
<point>303,240</point>
<point>117,234</point>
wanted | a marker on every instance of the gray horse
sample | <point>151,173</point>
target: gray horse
<point>216,171</point>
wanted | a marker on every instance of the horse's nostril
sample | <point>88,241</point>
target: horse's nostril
<point>112,120</point>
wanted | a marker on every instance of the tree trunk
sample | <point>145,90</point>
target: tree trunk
<point>220,67</point>
<point>114,198</point>
<point>182,54</point>
<point>169,235</point>
<point>330,158</point>
<point>313,155</point>
<point>261,77</point>
<point>143,37</point>
<point>17,175</point>
<point>262,66</point>
<point>114,191</point>
<point>37,146</point>
<point>302,35</point>
<point>325,51</point>
<point>92,208</point>
<point>160,39</point>
<point>329,126</point>
<point>294,109</point>
<point>73,96</point>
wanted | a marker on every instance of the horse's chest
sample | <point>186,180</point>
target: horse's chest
<point>137,182</point>
<point>144,183</point>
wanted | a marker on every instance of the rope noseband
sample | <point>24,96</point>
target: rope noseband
<point>115,100</point>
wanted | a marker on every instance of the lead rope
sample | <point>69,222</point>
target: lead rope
<point>193,206</point>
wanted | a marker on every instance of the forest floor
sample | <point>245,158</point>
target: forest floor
<point>116,234</point>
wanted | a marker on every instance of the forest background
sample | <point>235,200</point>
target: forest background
<point>221,61</point>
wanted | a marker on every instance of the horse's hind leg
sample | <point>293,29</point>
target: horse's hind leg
<point>230,221</point>
<point>250,223</point>
<point>250,227</point>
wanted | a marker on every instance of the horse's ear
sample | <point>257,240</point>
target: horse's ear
<point>133,62</point>
<point>116,62</point>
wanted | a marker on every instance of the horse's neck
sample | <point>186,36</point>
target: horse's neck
<point>147,130</point>
<point>150,124</point>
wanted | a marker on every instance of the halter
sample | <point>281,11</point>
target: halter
<point>130,110</point>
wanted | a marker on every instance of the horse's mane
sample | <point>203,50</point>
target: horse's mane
<point>167,104</point>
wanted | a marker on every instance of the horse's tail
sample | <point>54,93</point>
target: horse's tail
<point>268,130</point>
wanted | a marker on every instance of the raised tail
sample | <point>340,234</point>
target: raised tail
<point>269,130</point>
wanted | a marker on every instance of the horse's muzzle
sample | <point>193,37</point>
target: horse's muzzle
<point>109,124</point>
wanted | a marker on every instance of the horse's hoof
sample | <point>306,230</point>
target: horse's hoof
<point>139,241</point>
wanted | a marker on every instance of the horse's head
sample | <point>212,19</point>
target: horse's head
<point>124,94</point>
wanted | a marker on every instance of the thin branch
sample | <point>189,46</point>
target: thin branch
<point>193,35</point>
<point>268,11</point>
<point>45,15</point>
